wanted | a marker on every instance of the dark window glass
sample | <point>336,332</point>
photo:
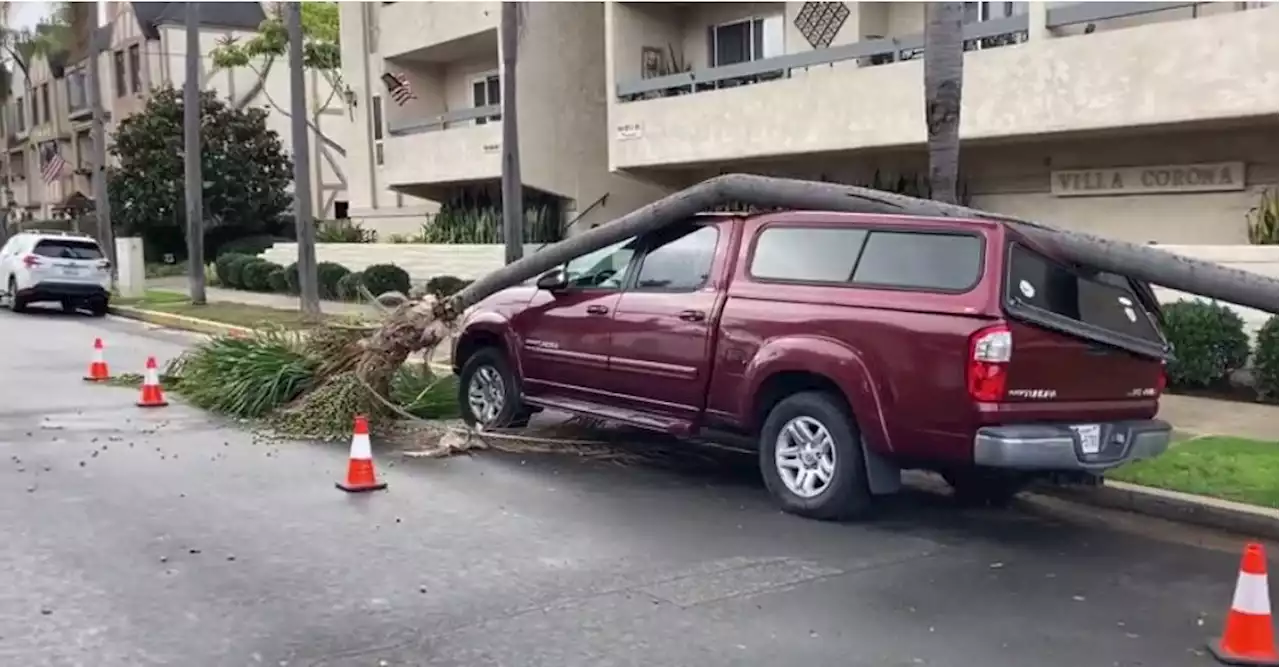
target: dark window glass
<point>44,102</point>
<point>810,254</point>
<point>377,118</point>
<point>135,68</point>
<point>486,93</point>
<point>921,261</point>
<point>118,61</point>
<point>22,115</point>
<point>68,249</point>
<point>1104,301</point>
<point>680,264</point>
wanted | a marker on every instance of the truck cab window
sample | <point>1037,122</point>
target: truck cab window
<point>682,264</point>
<point>602,269</point>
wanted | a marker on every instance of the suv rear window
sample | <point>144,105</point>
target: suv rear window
<point>1101,301</point>
<point>872,258</point>
<point>68,249</point>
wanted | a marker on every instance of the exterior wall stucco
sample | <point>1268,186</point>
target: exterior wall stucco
<point>1014,179</point>
<point>562,107</point>
<point>1147,75</point>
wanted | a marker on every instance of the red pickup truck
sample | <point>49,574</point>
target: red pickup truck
<point>846,346</point>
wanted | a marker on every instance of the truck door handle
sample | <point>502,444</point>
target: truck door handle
<point>597,310</point>
<point>692,315</point>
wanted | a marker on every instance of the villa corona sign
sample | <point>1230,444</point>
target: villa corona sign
<point>1210,177</point>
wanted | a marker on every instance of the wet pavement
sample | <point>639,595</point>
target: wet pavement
<point>167,537</point>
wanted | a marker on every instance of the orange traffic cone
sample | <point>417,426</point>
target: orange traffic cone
<point>1249,636</point>
<point>152,396</point>
<point>360,475</point>
<point>98,367</point>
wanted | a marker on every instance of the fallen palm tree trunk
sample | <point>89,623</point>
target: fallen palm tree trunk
<point>417,325</point>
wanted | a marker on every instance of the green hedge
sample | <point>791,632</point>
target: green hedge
<point>382,278</point>
<point>348,286</point>
<point>1264,361</point>
<point>1209,344</point>
<point>445,286</point>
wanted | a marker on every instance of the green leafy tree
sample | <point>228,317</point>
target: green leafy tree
<point>321,52</point>
<point>247,174</point>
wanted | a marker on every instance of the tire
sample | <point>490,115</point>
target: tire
<point>68,306</point>
<point>846,494</point>
<point>490,362</point>
<point>16,303</point>
<point>979,487</point>
<point>99,307</point>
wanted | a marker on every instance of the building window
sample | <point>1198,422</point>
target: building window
<point>21,110</point>
<point>121,87</point>
<point>486,91</point>
<point>135,68</point>
<point>76,99</point>
<point>989,11</point>
<point>44,103</point>
<point>377,129</point>
<point>745,41</point>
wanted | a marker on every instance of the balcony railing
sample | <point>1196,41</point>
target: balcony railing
<point>493,112</point>
<point>879,51</point>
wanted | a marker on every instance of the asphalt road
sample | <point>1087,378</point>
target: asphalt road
<point>132,538</point>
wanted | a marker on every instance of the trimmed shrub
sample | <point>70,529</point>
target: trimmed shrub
<point>441,287</point>
<point>235,270</point>
<point>381,278</point>
<point>291,279</point>
<point>1209,343</point>
<point>328,274</point>
<point>1264,361</point>
<point>277,281</point>
<point>347,286</point>
<point>256,275</point>
<point>222,266</point>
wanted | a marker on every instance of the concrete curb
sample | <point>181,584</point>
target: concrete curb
<point>210,327</point>
<point>181,322</point>
<point>1239,518</point>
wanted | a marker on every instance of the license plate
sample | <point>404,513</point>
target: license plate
<point>71,271</point>
<point>1090,437</point>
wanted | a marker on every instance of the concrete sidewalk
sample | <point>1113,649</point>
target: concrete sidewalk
<point>1208,416</point>
<point>280,301</point>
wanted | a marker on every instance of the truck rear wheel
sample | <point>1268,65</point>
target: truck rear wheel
<point>811,458</point>
<point>489,393</point>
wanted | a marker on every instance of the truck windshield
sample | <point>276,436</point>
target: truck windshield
<point>1099,303</point>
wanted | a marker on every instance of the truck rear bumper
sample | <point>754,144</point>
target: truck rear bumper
<point>1063,447</point>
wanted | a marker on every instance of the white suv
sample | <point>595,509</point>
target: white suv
<point>55,266</point>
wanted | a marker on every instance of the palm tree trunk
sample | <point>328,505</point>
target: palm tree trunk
<point>512,183</point>
<point>943,80</point>
<point>415,326</point>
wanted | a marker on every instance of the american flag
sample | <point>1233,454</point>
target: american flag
<point>399,88</point>
<point>52,163</point>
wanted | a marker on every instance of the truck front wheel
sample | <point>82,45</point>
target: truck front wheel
<point>811,458</point>
<point>489,393</point>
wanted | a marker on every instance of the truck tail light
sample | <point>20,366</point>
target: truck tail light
<point>30,261</point>
<point>1162,380</point>
<point>104,266</point>
<point>990,350</point>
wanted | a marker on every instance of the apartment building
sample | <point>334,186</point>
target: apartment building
<point>1140,121</point>
<point>406,156</point>
<point>32,124</point>
<point>148,51</point>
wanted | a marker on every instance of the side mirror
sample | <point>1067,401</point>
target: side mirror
<point>552,281</point>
